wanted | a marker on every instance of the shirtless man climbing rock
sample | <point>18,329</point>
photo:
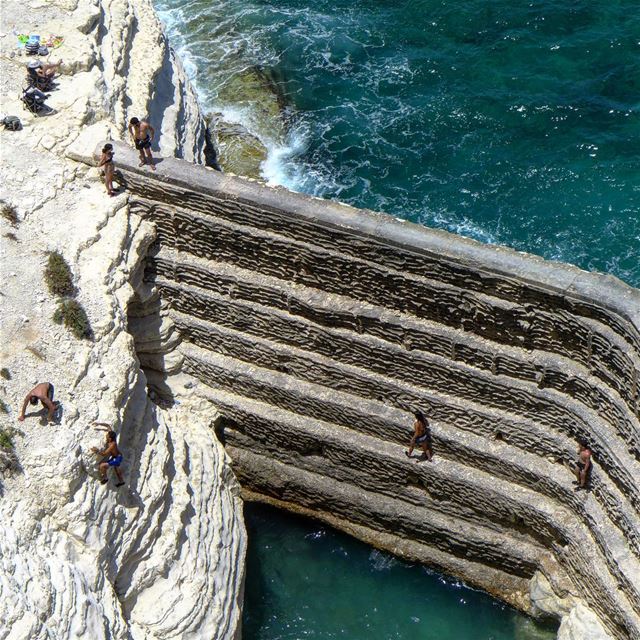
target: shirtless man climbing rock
<point>142,134</point>
<point>43,393</point>
<point>582,467</point>
<point>421,437</point>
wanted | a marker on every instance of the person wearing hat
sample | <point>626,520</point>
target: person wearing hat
<point>43,393</point>
<point>48,70</point>
<point>41,75</point>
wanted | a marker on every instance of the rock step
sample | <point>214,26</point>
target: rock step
<point>364,244</point>
<point>416,486</point>
<point>306,312</point>
<point>364,463</point>
<point>334,272</point>
<point>496,462</point>
<point>350,459</point>
<point>466,415</point>
<point>320,497</point>
<point>300,341</point>
<point>392,425</point>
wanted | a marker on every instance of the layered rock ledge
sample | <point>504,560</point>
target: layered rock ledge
<point>162,557</point>
<point>315,328</point>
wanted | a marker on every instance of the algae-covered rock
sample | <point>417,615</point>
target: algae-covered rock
<point>239,151</point>
<point>254,95</point>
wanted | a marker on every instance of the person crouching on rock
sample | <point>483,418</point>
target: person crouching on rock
<point>111,458</point>
<point>421,437</point>
<point>106,162</point>
<point>43,393</point>
<point>142,133</point>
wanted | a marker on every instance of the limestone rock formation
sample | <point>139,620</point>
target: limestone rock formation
<point>315,329</point>
<point>162,557</point>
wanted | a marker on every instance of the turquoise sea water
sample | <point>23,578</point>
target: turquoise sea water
<point>306,580</point>
<point>511,122</point>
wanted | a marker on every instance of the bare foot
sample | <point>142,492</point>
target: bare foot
<point>153,165</point>
<point>142,163</point>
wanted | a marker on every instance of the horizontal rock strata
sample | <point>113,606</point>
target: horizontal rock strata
<point>316,328</point>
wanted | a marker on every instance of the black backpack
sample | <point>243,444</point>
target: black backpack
<point>12,123</point>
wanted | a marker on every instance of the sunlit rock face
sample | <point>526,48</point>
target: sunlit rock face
<point>315,329</point>
<point>163,556</point>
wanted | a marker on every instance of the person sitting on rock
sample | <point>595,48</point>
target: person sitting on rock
<point>111,458</point>
<point>43,393</point>
<point>142,133</point>
<point>583,466</point>
<point>422,437</point>
<point>44,72</point>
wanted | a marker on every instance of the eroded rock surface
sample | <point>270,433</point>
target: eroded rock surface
<point>163,556</point>
<point>316,328</point>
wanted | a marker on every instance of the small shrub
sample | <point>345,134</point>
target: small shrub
<point>9,463</point>
<point>6,441</point>
<point>5,373</point>
<point>74,317</point>
<point>58,275</point>
<point>11,236</point>
<point>9,213</point>
<point>3,406</point>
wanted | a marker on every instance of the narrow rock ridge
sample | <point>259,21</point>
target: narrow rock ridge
<point>162,557</point>
<point>315,328</point>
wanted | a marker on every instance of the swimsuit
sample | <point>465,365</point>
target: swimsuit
<point>50,391</point>
<point>425,437</point>
<point>114,461</point>
<point>145,143</point>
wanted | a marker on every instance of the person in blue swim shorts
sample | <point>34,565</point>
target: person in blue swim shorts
<point>111,458</point>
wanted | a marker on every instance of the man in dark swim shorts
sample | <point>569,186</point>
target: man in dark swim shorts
<point>583,466</point>
<point>42,392</point>
<point>142,133</point>
<point>421,437</point>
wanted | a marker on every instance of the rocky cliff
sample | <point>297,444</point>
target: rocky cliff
<point>163,556</point>
<point>315,329</point>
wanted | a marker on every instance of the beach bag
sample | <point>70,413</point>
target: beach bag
<point>43,51</point>
<point>12,123</point>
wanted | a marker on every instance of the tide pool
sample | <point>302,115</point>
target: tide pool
<point>307,580</point>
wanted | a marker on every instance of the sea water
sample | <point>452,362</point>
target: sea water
<point>513,123</point>
<point>307,580</point>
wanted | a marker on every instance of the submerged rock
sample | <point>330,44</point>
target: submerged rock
<point>256,97</point>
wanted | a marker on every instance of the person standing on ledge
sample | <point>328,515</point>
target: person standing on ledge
<point>42,392</point>
<point>106,162</point>
<point>422,437</point>
<point>582,469</point>
<point>142,134</point>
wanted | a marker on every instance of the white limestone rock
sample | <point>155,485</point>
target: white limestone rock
<point>163,557</point>
<point>582,624</point>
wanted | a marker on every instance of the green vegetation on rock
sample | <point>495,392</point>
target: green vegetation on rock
<point>74,317</point>
<point>9,213</point>
<point>6,441</point>
<point>58,275</point>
